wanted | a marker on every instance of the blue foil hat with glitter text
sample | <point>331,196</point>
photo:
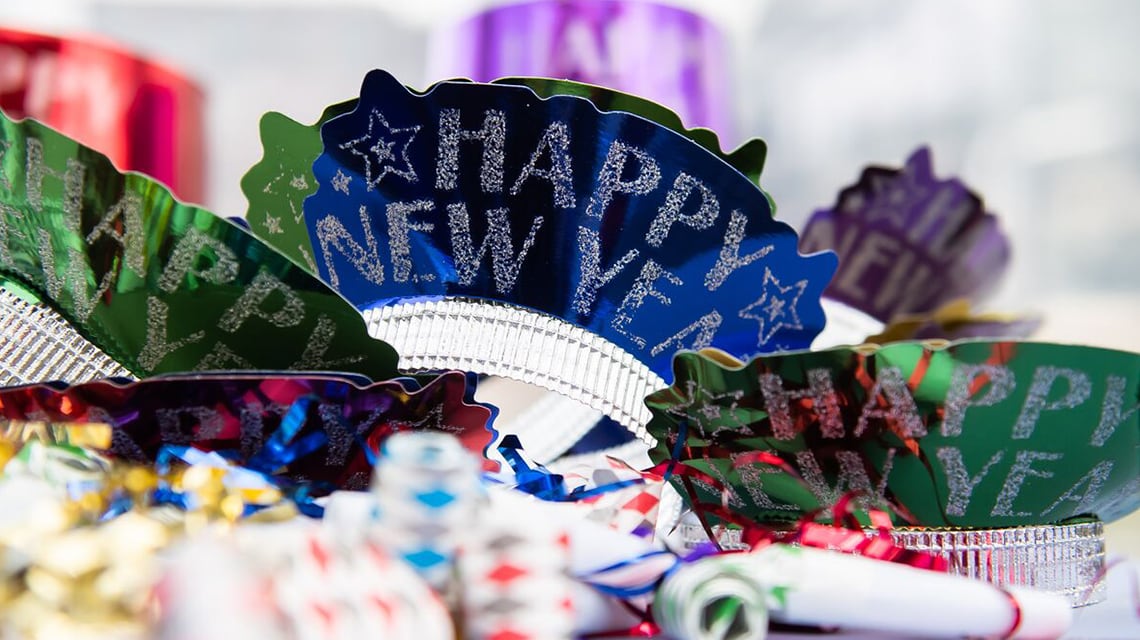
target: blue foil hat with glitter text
<point>481,227</point>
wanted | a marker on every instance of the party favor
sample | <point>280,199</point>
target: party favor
<point>908,242</point>
<point>158,285</point>
<point>970,434</point>
<point>482,227</point>
<point>278,184</point>
<point>303,427</point>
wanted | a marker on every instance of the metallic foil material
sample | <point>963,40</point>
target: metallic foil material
<point>503,340</point>
<point>37,344</point>
<point>598,220</point>
<point>158,285</point>
<point>665,53</point>
<point>908,241</point>
<point>1065,559</point>
<point>146,117</point>
<point>277,185</point>
<point>304,427</point>
<point>971,434</point>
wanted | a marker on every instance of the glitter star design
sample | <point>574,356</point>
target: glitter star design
<point>340,182</point>
<point>707,408</point>
<point>383,148</point>
<point>775,309</point>
<point>272,224</point>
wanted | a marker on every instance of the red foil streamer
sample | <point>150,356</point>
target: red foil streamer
<point>144,116</point>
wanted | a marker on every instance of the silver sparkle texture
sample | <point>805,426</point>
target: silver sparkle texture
<point>37,344</point>
<point>492,338</point>
<point>1065,559</point>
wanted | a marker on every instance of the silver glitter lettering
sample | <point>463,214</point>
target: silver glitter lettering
<point>157,345</point>
<point>959,396</point>
<point>705,327</point>
<point>187,258</point>
<point>851,476</point>
<point>1037,400</point>
<point>205,424</point>
<point>252,428</point>
<point>122,445</point>
<point>5,180</point>
<point>341,434</point>
<point>907,280</point>
<point>824,402</point>
<point>1093,482</point>
<point>670,212</point>
<point>730,259</point>
<point>72,178</point>
<point>123,223</point>
<point>947,209</point>
<point>252,419</point>
<point>959,481</point>
<point>8,213</point>
<point>222,358</point>
<point>331,235</point>
<point>505,264</point>
<point>555,141</point>
<point>74,277</point>
<point>313,358</point>
<point>642,288</point>
<point>900,413</point>
<point>399,238</point>
<point>289,313</point>
<point>609,180</point>
<point>591,276</point>
<point>727,494</point>
<point>1112,413</point>
<point>754,484</point>
<point>876,249</point>
<point>492,135</point>
<point>1021,470</point>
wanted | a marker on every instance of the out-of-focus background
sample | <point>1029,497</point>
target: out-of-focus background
<point>1035,103</point>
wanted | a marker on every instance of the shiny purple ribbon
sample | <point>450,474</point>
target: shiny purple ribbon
<point>663,53</point>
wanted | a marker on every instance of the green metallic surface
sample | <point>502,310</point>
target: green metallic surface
<point>159,285</point>
<point>1059,439</point>
<point>276,186</point>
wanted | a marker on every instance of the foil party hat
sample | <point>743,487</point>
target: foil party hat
<point>307,426</point>
<point>908,241</point>
<point>155,284</point>
<point>967,434</point>
<point>277,185</point>
<point>482,227</point>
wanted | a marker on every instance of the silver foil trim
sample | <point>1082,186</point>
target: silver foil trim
<point>1065,559</point>
<point>493,338</point>
<point>38,345</point>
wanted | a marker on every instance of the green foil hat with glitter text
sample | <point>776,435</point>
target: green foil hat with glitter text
<point>967,434</point>
<point>159,285</point>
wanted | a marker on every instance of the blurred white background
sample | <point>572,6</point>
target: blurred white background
<point>1036,103</point>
